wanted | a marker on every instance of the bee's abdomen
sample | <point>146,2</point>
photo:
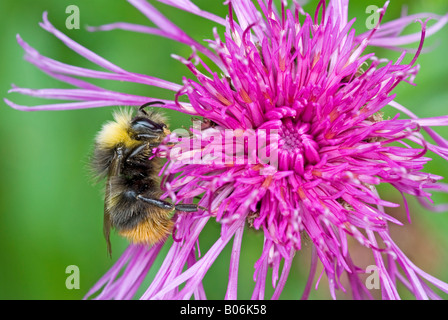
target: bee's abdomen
<point>126,210</point>
<point>150,230</point>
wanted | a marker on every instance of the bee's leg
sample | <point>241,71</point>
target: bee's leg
<point>168,206</point>
<point>141,136</point>
<point>157,202</point>
<point>136,152</point>
<point>187,207</point>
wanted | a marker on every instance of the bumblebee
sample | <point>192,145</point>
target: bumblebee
<point>132,204</point>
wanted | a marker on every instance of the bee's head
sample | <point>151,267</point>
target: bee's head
<point>148,125</point>
<point>144,125</point>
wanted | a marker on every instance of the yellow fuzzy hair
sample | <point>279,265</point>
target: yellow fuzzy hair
<point>117,132</point>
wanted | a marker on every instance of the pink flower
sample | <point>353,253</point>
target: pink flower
<point>304,91</point>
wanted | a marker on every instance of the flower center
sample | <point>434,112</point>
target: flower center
<point>297,146</point>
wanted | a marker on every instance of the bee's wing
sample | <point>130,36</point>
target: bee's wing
<point>114,170</point>
<point>106,228</point>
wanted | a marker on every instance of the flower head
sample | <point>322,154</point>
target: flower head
<point>294,144</point>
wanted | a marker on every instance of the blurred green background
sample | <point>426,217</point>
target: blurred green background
<point>50,211</point>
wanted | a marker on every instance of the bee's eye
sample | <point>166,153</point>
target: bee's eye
<point>146,125</point>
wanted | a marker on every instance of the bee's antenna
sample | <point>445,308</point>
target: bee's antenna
<point>142,107</point>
